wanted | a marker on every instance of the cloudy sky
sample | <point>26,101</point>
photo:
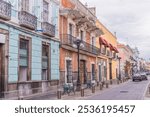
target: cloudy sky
<point>130,19</point>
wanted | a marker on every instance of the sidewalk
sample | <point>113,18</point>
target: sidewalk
<point>52,94</point>
<point>147,95</point>
<point>88,92</point>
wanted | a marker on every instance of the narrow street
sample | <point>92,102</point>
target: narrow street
<point>128,91</point>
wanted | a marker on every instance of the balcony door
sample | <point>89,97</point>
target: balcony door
<point>82,35</point>
<point>25,5</point>
<point>68,73</point>
<point>71,30</point>
<point>45,62</point>
<point>45,11</point>
<point>1,71</point>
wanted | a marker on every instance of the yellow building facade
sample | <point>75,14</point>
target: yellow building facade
<point>107,59</point>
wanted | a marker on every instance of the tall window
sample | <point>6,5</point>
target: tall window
<point>68,71</point>
<point>45,62</point>
<point>93,41</point>
<point>81,35</point>
<point>45,11</point>
<point>71,29</point>
<point>25,5</point>
<point>23,60</point>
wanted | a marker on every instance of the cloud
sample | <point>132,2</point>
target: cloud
<point>129,18</point>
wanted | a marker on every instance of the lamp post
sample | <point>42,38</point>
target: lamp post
<point>119,58</point>
<point>78,43</point>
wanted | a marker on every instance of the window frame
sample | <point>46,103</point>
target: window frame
<point>29,56</point>
<point>49,62</point>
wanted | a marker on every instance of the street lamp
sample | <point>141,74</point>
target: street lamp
<point>78,43</point>
<point>119,58</point>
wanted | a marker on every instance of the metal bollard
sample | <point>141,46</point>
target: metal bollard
<point>20,98</point>
<point>107,85</point>
<point>82,92</point>
<point>97,84</point>
<point>103,83</point>
<point>59,94</point>
<point>93,89</point>
<point>117,81</point>
<point>100,86</point>
<point>111,82</point>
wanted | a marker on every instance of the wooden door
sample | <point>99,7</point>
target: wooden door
<point>82,72</point>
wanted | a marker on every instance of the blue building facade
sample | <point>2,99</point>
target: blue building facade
<point>29,46</point>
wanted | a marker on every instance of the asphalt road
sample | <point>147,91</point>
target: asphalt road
<point>128,91</point>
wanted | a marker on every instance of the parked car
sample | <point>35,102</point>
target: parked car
<point>148,73</point>
<point>136,77</point>
<point>144,76</point>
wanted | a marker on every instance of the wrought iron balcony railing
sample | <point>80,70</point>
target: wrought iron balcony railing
<point>5,10</point>
<point>48,29</point>
<point>27,20</point>
<point>82,8</point>
<point>69,40</point>
<point>74,76</point>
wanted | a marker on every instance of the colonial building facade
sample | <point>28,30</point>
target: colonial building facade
<point>29,46</point>
<point>107,58</point>
<point>77,22</point>
<point>126,62</point>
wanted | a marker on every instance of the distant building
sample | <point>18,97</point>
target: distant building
<point>126,63</point>
<point>107,59</point>
<point>136,57</point>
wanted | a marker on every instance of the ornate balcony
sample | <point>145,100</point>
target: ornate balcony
<point>69,40</point>
<point>5,10</point>
<point>27,20</point>
<point>82,8</point>
<point>48,29</point>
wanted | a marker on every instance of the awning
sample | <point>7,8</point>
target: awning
<point>113,48</point>
<point>103,42</point>
<point>107,44</point>
<point>116,50</point>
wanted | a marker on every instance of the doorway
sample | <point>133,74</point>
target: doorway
<point>100,73</point>
<point>68,71</point>
<point>1,72</point>
<point>93,72</point>
<point>83,72</point>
